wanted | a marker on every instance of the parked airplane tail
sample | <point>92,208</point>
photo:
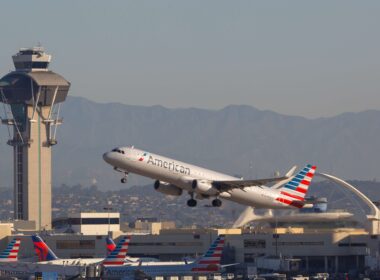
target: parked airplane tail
<point>110,245</point>
<point>293,193</point>
<point>10,254</point>
<point>117,256</point>
<point>42,250</point>
<point>210,262</point>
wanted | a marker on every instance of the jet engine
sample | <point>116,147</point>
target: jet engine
<point>167,188</point>
<point>204,187</point>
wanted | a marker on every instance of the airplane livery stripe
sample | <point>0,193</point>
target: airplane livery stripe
<point>301,190</point>
<point>307,183</point>
<point>293,196</point>
<point>292,184</point>
<point>290,187</point>
<point>297,204</point>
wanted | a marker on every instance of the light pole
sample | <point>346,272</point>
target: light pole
<point>108,208</point>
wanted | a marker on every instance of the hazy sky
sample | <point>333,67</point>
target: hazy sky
<point>309,58</point>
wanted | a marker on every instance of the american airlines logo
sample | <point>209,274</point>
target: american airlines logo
<point>168,165</point>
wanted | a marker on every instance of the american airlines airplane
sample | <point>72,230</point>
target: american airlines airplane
<point>114,258</point>
<point>173,177</point>
<point>208,263</point>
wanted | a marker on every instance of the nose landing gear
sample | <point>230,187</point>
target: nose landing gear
<point>192,202</point>
<point>125,178</point>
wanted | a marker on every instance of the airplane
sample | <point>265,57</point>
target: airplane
<point>110,245</point>
<point>173,177</point>
<point>10,254</point>
<point>47,256</point>
<point>208,263</point>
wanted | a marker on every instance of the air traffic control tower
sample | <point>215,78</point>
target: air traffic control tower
<point>31,96</point>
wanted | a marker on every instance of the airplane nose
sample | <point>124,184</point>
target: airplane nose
<point>107,157</point>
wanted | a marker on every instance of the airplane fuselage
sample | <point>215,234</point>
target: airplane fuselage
<point>155,269</point>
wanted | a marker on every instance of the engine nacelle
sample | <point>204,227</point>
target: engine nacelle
<point>204,187</point>
<point>167,188</point>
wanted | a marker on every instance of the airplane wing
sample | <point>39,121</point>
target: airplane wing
<point>225,186</point>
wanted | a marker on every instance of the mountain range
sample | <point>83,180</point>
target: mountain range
<point>238,140</point>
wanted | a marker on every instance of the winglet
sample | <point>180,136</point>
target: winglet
<point>291,171</point>
<point>10,254</point>
<point>287,177</point>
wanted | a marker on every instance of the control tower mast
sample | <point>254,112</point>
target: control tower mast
<point>31,96</point>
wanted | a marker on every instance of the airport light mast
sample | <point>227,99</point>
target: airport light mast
<point>31,96</point>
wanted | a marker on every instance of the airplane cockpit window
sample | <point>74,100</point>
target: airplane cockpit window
<point>118,151</point>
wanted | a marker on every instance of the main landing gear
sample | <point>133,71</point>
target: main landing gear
<point>192,202</point>
<point>216,202</point>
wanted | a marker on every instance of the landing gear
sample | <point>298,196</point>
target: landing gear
<point>192,202</point>
<point>216,202</point>
<point>124,179</point>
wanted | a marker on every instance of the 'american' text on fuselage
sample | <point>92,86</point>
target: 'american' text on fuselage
<point>169,165</point>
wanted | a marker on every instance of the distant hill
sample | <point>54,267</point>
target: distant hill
<point>237,140</point>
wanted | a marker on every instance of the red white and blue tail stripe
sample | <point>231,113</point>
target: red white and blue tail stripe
<point>210,262</point>
<point>10,254</point>
<point>294,192</point>
<point>117,256</point>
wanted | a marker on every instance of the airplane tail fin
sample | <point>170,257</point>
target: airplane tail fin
<point>42,250</point>
<point>117,256</point>
<point>110,245</point>
<point>210,262</point>
<point>293,193</point>
<point>10,254</point>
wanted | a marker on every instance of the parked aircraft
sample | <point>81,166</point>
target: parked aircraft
<point>47,256</point>
<point>10,254</point>
<point>174,177</point>
<point>208,263</point>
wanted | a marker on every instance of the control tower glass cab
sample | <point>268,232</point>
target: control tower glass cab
<point>32,95</point>
<point>32,59</point>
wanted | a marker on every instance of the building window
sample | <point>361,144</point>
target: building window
<point>254,243</point>
<point>94,221</point>
<point>352,244</point>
